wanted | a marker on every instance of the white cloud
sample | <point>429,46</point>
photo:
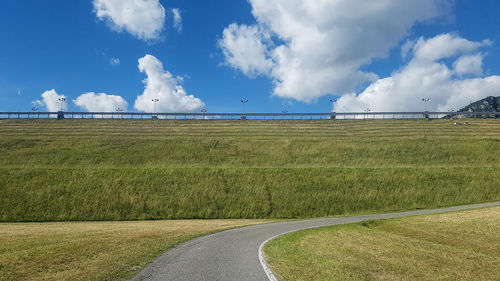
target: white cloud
<point>311,48</point>
<point>114,61</point>
<point>102,102</point>
<point>37,103</point>
<point>177,19</point>
<point>428,76</point>
<point>444,46</point>
<point>472,64</point>
<point>162,85</point>
<point>143,19</point>
<point>407,47</point>
<point>244,49</point>
<point>51,101</point>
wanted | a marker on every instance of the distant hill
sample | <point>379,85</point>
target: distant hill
<point>489,104</point>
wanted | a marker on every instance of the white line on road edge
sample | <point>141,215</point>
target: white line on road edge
<point>272,277</point>
<point>263,262</point>
<point>262,259</point>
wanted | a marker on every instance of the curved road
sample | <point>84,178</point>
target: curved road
<point>234,254</point>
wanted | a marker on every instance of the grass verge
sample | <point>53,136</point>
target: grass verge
<point>59,170</point>
<point>453,246</point>
<point>94,250</point>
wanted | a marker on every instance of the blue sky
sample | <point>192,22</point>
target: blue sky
<point>63,45</point>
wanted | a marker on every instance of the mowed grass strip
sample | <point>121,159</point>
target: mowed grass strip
<point>56,170</point>
<point>93,250</point>
<point>452,246</point>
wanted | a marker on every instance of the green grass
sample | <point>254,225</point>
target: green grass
<point>453,246</point>
<point>143,169</point>
<point>94,250</point>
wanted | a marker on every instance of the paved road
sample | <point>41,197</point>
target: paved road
<point>234,254</point>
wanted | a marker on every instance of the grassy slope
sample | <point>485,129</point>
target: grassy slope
<point>144,169</point>
<point>454,246</point>
<point>93,250</point>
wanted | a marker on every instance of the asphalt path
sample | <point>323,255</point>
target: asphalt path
<point>234,254</point>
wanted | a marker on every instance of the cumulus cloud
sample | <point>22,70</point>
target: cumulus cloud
<point>311,48</point>
<point>244,49</point>
<point>51,101</point>
<point>427,75</point>
<point>143,19</point>
<point>160,84</point>
<point>444,46</point>
<point>177,19</point>
<point>472,64</point>
<point>102,102</point>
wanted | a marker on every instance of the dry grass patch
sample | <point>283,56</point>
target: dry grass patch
<point>93,250</point>
<point>453,246</point>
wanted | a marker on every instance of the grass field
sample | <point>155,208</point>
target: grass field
<point>93,250</point>
<point>164,169</point>
<point>453,246</point>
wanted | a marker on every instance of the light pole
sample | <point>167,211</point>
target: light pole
<point>33,109</point>
<point>155,100</point>
<point>118,109</point>
<point>204,110</point>
<point>332,114</point>
<point>425,100</point>
<point>426,115</point>
<point>62,100</point>
<point>366,112</point>
<point>60,114</point>
<point>451,111</point>
<point>333,101</point>
<point>244,101</point>
<point>283,113</point>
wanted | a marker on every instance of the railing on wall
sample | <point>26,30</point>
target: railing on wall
<point>252,116</point>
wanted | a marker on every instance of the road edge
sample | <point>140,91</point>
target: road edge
<point>272,277</point>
